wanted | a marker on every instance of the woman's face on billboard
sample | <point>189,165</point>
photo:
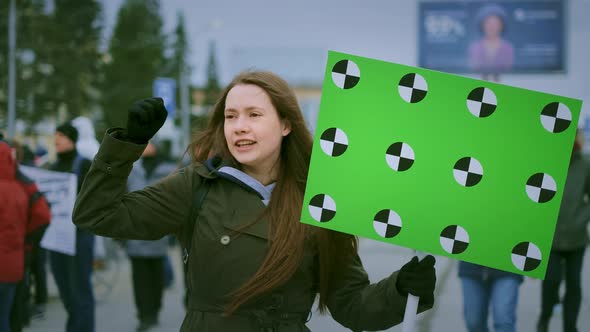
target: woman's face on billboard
<point>492,26</point>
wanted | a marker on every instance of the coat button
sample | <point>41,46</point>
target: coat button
<point>109,169</point>
<point>225,240</point>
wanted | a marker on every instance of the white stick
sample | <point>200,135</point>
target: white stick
<point>409,324</point>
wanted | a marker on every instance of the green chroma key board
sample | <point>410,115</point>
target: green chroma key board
<point>444,164</point>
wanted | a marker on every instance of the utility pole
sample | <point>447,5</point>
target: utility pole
<point>185,106</point>
<point>11,69</point>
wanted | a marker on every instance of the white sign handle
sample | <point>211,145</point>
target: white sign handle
<point>409,324</point>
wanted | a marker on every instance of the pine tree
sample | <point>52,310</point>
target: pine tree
<point>73,45</point>
<point>177,61</point>
<point>137,52</point>
<point>212,89</point>
<point>31,63</point>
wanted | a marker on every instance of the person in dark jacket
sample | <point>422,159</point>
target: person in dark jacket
<point>252,265</point>
<point>148,257</point>
<point>569,244</point>
<point>72,274</point>
<point>24,216</point>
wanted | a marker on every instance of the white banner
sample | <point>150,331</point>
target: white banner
<point>60,190</point>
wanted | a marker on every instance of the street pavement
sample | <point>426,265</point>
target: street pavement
<point>115,310</point>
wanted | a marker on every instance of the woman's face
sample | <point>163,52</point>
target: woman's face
<point>253,130</point>
<point>492,26</point>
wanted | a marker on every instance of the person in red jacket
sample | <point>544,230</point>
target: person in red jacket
<point>24,215</point>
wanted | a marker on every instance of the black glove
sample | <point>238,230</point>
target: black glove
<point>144,119</point>
<point>418,278</point>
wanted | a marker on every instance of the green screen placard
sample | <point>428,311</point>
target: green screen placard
<point>448,165</point>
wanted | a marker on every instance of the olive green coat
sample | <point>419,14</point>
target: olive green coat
<point>221,262</point>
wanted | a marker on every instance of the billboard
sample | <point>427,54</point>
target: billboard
<point>505,36</point>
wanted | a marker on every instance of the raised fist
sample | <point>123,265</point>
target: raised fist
<point>144,119</point>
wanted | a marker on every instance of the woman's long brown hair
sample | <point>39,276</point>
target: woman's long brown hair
<point>288,234</point>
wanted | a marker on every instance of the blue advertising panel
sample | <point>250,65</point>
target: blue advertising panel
<point>165,88</point>
<point>505,36</point>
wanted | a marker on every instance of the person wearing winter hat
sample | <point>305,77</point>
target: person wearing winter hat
<point>65,132</point>
<point>72,274</point>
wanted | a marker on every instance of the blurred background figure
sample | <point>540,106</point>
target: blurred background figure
<point>86,145</point>
<point>24,155</point>
<point>569,244</point>
<point>24,216</point>
<point>41,156</point>
<point>491,54</point>
<point>148,258</point>
<point>72,274</point>
<point>31,292</point>
<point>485,288</point>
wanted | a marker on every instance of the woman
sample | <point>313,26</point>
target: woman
<point>254,266</point>
<point>491,54</point>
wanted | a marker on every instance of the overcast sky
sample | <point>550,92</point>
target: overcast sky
<point>358,27</point>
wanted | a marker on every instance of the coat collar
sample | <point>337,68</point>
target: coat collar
<point>248,218</point>
<point>224,169</point>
